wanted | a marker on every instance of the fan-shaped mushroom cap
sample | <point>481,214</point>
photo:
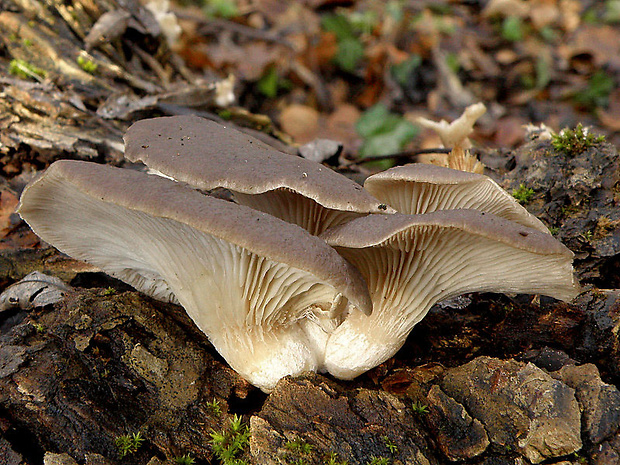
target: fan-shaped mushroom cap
<point>245,278</point>
<point>207,155</point>
<point>413,261</point>
<point>420,188</point>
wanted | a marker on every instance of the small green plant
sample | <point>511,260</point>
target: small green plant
<point>379,461</point>
<point>184,460</point>
<point>220,8</point>
<point>390,445</point>
<point>270,83</point>
<point>612,11</point>
<point>384,132</point>
<point>575,141</point>
<point>128,444</point>
<point>350,50</point>
<point>299,446</point>
<point>25,70</point>
<point>587,236</point>
<point>596,93</point>
<point>523,194</point>
<point>419,408</point>
<point>38,327</point>
<point>333,459</point>
<point>214,408</point>
<point>512,29</point>
<point>403,71</point>
<point>231,442</point>
<point>87,65</point>
<point>109,291</point>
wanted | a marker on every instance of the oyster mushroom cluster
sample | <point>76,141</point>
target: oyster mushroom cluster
<point>307,271</point>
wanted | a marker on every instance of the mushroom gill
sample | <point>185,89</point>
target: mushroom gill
<point>410,262</point>
<point>245,278</point>
<point>421,188</point>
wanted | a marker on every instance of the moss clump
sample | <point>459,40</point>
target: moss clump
<point>25,70</point>
<point>572,142</point>
<point>128,444</point>
<point>231,442</point>
<point>523,194</point>
<point>87,65</point>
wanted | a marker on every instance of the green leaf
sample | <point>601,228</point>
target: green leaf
<point>543,72</point>
<point>221,8</point>
<point>268,83</point>
<point>371,120</point>
<point>612,11</point>
<point>512,29</point>
<point>597,93</point>
<point>402,71</point>
<point>384,133</point>
<point>350,53</point>
<point>339,25</point>
<point>391,141</point>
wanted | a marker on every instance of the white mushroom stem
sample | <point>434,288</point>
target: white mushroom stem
<point>412,262</point>
<point>456,133</point>
<point>247,292</point>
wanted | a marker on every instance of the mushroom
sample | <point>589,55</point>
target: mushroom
<point>456,135</point>
<point>411,262</point>
<point>420,188</point>
<point>246,279</point>
<point>207,155</point>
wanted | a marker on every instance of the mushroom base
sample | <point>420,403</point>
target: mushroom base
<point>350,352</point>
<point>264,359</point>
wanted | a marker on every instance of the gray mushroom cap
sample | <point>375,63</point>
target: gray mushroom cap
<point>207,155</point>
<point>410,262</point>
<point>244,277</point>
<point>422,188</point>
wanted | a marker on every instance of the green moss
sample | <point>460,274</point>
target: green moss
<point>523,194</point>
<point>393,448</point>
<point>214,408</point>
<point>184,460</point>
<point>333,459</point>
<point>87,65</point>
<point>419,408</point>
<point>379,461</point>
<point>25,70</point>
<point>572,142</point>
<point>299,446</point>
<point>229,443</point>
<point>128,444</point>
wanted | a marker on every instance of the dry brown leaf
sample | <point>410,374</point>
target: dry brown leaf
<point>301,122</point>
<point>510,131</point>
<point>8,204</point>
<point>610,116</point>
<point>340,125</point>
<point>601,42</point>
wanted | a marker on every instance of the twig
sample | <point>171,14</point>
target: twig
<point>207,25</point>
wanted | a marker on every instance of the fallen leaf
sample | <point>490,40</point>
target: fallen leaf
<point>34,290</point>
<point>8,204</point>
<point>610,116</point>
<point>301,122</point>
